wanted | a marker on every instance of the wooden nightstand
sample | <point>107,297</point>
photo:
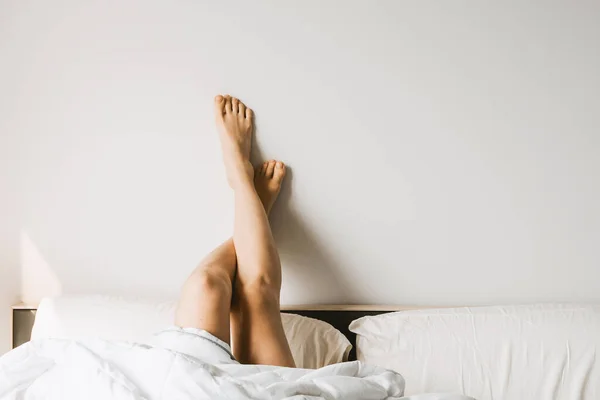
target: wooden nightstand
<point>23,316</point>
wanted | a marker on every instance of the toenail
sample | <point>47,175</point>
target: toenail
<point>219,98</point>
<point>279,165</point>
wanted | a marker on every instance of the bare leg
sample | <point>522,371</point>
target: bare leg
<point>207,294</point>
<point>246,323</point>
<point>205,299</point>
<point>258,332</point>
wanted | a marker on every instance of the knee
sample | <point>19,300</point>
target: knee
<point>207,281</point>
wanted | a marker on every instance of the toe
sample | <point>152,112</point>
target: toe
<point>234,105</point>
<point>219,104</point>
<point>263,167</point>
<point>227,103</point>
<point>279,171</point>
<point>249,114</point>
<point>241,109</point>
<point>270,169</point>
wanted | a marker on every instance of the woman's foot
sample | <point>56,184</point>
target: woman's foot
<point>267,182</point>
<point>235,124</point>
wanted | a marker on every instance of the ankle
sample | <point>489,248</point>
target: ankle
<point>241,180</point>
<point>242,187</point>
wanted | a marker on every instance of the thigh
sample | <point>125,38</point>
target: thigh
<point>205,303</point>
<point>257,331</point>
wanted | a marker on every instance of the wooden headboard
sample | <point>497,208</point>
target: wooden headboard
<point>339,316</point>
<point>23,317</point>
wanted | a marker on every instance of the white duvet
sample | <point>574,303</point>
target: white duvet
<point>99,369</point>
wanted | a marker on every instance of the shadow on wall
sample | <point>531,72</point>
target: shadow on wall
<point>307,265</point>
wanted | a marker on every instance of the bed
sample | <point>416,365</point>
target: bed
<point>537,351</point>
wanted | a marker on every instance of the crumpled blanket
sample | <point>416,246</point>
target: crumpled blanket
<point>98,369</point>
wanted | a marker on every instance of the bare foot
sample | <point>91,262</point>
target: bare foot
<point>267,181</point>
<point>235,124</point>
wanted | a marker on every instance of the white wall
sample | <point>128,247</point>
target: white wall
<point>10,279</point>
<point>9,276</point>
<point>440,152</point>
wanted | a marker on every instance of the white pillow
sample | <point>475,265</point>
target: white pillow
<point>314,343</point>
<point>516,352</point>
